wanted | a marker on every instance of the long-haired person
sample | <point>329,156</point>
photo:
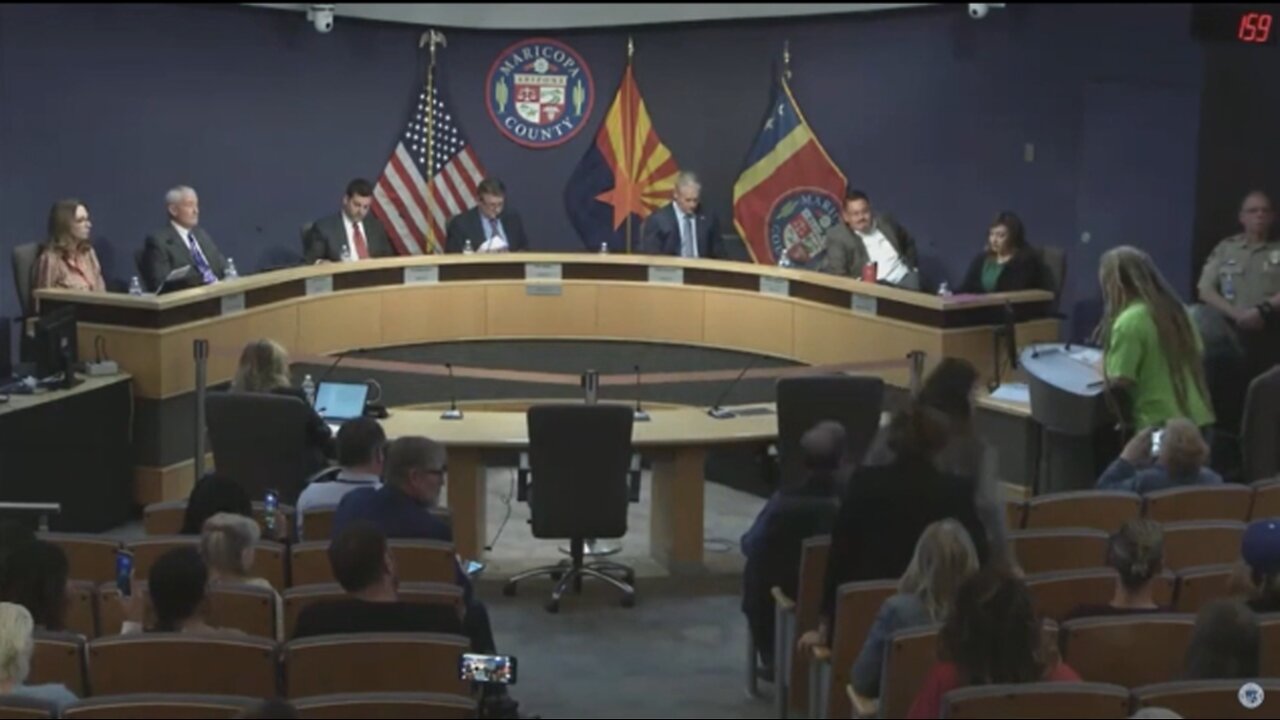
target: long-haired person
<point>1150,347</point>
<point>1007,264</point>
<point>264,368</point>
<point>67,259</point>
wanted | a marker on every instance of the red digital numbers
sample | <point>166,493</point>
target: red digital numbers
<point>1255,27</point>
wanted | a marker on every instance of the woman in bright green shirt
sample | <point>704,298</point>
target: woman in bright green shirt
<point>1150,347</point>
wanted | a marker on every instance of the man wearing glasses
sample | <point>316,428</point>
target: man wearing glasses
<point>489,226</point>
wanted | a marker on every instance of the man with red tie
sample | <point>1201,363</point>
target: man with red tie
<point>352,234</point>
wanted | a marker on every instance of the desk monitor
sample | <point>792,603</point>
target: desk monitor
<point>55,343</point>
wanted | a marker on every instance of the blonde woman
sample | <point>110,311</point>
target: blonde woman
<point>67,259</point>
<point>264,368</point>
<point>1179,461</point>
<point>227,544</point>
<point>16,648</point>
<point>1150,347</point>
<point>944,557</point>
<point>1136,552</point>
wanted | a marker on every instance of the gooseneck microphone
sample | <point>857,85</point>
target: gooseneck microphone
<point>640,415</point>
<point>453,413</point>
<point>720,413</point>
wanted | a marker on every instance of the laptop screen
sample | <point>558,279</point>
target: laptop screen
<point>341,401</point>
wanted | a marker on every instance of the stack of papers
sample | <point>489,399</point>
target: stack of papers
<point>493,245</point>
<point>1013,392</point>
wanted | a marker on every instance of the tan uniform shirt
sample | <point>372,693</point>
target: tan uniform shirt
<point>1254,271</point>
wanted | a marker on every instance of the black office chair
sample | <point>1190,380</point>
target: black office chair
<point>24,275</point>
<point>854,401</point>
<point>260,440</point>
<point>1054,260</point>
<point>580,460</point>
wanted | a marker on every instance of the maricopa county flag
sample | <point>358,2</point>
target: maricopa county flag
<point>790,191</point>
<point>626,174</point>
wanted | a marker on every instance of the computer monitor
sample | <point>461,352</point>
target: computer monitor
<point>55,342</point>
<point>6,349</point>
<point>338,402</point>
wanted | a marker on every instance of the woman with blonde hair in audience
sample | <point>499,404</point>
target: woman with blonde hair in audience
<point>227,547</point>
<point>1136,552</point>
<point>17,645</point>
<point>992,637</point>
<point>944,558</point>
<point>264,368</point>
<point>67,259</point>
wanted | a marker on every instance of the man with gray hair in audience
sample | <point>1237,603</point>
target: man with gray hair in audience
<point>681,228</point>
<point>181,243</point>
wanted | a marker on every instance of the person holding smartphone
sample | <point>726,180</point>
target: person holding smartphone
<point>1178,460</point>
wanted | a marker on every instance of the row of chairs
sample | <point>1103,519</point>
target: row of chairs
<point>93,558</point>
<point>177,705</point>
<point>226,664</point>
<point>1101,701</point>
<point>1186,544</point>
<point>1056,594</point>
<point>1107,510</point>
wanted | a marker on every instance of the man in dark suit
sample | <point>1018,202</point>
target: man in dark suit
<point>865,236</point>
<point>680,229</point>
<point>352,230</point>
<point>181,243</point>
<point>488,220</point>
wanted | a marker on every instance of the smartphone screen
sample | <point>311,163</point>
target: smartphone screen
<point>474,568</point>
<point>271,503</point>
<point>124,570</point>
<point>499,669</point>
<point>1156,438</point>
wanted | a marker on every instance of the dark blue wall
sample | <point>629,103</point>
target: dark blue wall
<point>925,109</point>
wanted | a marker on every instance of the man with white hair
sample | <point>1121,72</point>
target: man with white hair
<point>16,648</point>
<point>181,243</point>
<point>680,229</point>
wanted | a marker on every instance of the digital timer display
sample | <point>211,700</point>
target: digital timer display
<point>1255,27</point>
<point>1235,23</point>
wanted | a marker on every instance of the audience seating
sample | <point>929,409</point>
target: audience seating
<point>309,564</point>
<point>222,664</point>
<point>1015,513</point>
<point>856,606</point>
<point>247,608</point>
<point>1056,594</point>
<point>1187,544</point>
<point>261,440</point>
<point>110,608</point>
<point>82,613</point>
<point>269,563</point>
<point>375,662</point>
<point>147,550</point>
<point>909,656</point>
<point>1208,698</point>
<point>387,705</point>
<point>90,557</point>
<point>431,561</point>
<point>1084,700</point>
<point>1130,650</point>
<point>60,657</point>
<point>1266,500</point>
<point>298,598</point>
<point>1270,645</point>
<point>165,518</point>
<point>317,522</point>
<point>1104,510</point>
<point>160,706</point>
<point>22,708</point>
<point>1049,550</point>
<point>792,619</point>
<point>1199,584</point>
<point>1204,502</point>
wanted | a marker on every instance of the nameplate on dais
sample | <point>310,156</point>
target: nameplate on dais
<point>673,275</point>
<point>232,303</point>
<point>422,274</point>
<point>320,285</point>
<point>543,271</point>
<point>775,286</point>
<point>862,303</point>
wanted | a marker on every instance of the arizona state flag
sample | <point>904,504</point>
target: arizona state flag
<point>625,175</point>
<point>790,191</point>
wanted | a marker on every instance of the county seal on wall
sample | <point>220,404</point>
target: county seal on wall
<point>540,93</point>
<point>803,216</point>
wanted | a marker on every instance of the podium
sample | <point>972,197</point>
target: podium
<point>1069,404</point>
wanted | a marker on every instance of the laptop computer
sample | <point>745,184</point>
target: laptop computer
<point>338,402</point>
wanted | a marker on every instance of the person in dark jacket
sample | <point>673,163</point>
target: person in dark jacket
<point>774,544</point>
<point>264,368</point>
<point>1007,264</point>
<point>887,507</point>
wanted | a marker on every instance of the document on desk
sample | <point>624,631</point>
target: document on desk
<point>1018,393</point>
<point>494,244</point>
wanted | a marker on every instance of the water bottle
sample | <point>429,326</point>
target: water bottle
<point>346,254</point>
<point>785,261</point>
<point>944,290</point>
<point>604,248</point>
<point>231,273</point>
<point>135,287</point>
<point>467,249</point>
<point>309,389</point>
<point>1227,281</point>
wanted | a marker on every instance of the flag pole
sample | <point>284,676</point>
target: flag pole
<point>631,49</point>
<point>431,38</point>
<point>786,60</point>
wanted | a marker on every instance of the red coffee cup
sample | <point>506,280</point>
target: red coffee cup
<point>869,272</point>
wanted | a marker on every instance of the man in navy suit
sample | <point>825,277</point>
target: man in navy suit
<point>489,219</point>
<point>181,243</point>
<point>680,229</point>
<point>352,230</point>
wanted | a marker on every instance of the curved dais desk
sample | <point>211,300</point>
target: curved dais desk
<point>803,316</point>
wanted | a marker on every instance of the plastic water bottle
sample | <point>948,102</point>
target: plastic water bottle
<point>1227,281</point>
<point>309,389</point>
<point>944,290</point>
<point>785,261</point>
<point>467,249</point>
<point>346,254</point>
<point>604,248</point>
<point>135,287</point>
<point>231,273</point>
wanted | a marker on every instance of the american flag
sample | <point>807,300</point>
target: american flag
<point>413,211</point>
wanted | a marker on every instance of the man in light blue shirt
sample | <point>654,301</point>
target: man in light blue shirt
<point>1178,461</point>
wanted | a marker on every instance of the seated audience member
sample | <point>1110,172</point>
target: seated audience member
<point>1007,264</point>
<point>1181,461</point>
<point>264,368</point>
<point>1226,643</point>
<point>215,494</point>
<point>490,226</point>
<point>774,543</point>
<point>181,244</point>
<point>16,648</point>
<point>1260,551</point>
<point>363,565</point>
<point>1136,552</point>
<point>13,534</point>
<point>361,443</point>
<point>227,549</point>
<point>864,237</point>
<point>992,637</point>
<point>67,259</point>
<point>351,231</point>
<point>176,586</point>
<point>36,575</point>
<point>887,507</point>
<point>944,558</point>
